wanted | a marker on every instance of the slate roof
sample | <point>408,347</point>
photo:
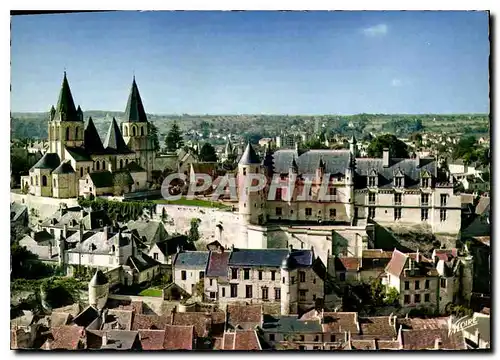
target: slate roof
<point>134,167</point>
<point>191,260</point>
<point>48,161</point>
<point>86,317</point>
<point>179,337</point>
<point>169,246</point>
<point>91,139</point>
<point>114,142</point>
<point>217,264</point>
<point>249,157</point>
<point>101,179</point>
<point>95,242</point>
<point>147,230</point>
<point>204,167</point>
<point>269,257</point>
<point>41,237</point>
<point>290,324</point>
<point>134,112</point>
<point>64,168</point>
<point>142,262</point>
<point>336,161</point>
<point>17,210</point>
<point>98,279</point>
<point>78,153</point>
<point>65,109</point>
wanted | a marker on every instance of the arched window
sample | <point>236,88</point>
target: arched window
<point>76,133</point>
<point>142,131</point>
<point>81,172</point>
<point>134,131</point>
<point>125,130</point>
<point>31,180</point>
<point>55,183</point>
<point>97,165</point>
<point>104,165</point>
<point>36,180</point>
<point>121,163</point>
<point>67,133</point>
<point>44,180</point>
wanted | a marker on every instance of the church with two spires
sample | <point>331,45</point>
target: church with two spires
<point>78,163</point>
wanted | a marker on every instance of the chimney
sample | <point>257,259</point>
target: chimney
<point>417,257</point>
<point>410,263</point>
<point>417,160</point>
<point>104,338</point>
<point>65,231</point>
<point>82,213</point>
<point>437,344</point>
<point>385,157</point>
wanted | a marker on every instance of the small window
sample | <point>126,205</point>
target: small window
<point>443,199</point>
<point>211,282</point>
<point>248,291</point>
<point>212,294</point>
<point>278,211</point>
<point>407,285</point>
<point>234,274</point>
<point>44,180</point>
<point>417,298</point>
<point>271,337</point>
<point>342,276</point>
<point>417,285</point>
<point>427,283</point>
<point>81,172</point>
<point>424,214</point>
<point>234,290</point>
<point>407,299</point>
<point>397,213</point>
<point>316,338</point>
<point>442,214</point>
<point>202,274</point>
<point>223,292</point>
<point>333,212</point>
<point>155,256</point>
<point>443,283</point>
<point>104,165</point>
<point>265,293</point>
<point>260,274</point>
<point>332,338</point>
<point>371,212</point>
<point>301,337</point>
<point>302,276</point>
<point>246,274</point>
<point>308,211</point>
<point>293,280</point>
<point>277,293</point>
<point>244,171</point>
<point>183,275</point>
<point>427,298</point>
<point>273,275</point>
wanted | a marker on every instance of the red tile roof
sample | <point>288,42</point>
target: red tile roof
<point>202,322</point>
<point>339,322</point>
<point>67,337</point>
<point>376,254</point>
<point>149,322</point>
<point>347,264</point>
<point>397,263</point>
<point>427,339</point>
<point>152,339</point>
<point>241,340</point>
<point>137,306</point>
<point>363,345</point>
<point>388,344</point>
<point>217,263</point>
<point>423,324</point>
<point>244,314</point>
<point>178,337</point>
<point>378,327</point>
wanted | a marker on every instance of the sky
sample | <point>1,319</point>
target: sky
<point>255,62</point>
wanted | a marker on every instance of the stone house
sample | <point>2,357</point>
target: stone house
<point>188,269</point>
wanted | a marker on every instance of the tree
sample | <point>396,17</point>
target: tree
<point>207,153</point>
<point>391,296</point>
<point>397,148</point>
<point>194,233</point>
<point>173,140</point>
<point>315,144</point>
<point>153,130</point>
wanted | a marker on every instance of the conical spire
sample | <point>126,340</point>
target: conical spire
<point>66,110</point>
<point>135,110</point>
<point>114,140</point>
<point>249,157</point>
<point>91,138</point>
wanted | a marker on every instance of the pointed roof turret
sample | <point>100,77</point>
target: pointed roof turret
<point>135,110</point>
<point>114,140</point>
<point>91,138</point>
<point>66,110</point>
<point>249,157</point>
<point>52,112</point>
<point>322,164</point>
<point>98,279</point>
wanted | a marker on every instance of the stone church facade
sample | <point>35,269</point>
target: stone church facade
<point>78,163</point>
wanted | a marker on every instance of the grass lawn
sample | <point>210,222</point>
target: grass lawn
<point>151,292</point>
<point>194,202</point>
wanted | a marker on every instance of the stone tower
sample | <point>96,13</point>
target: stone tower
<point>349,184</point>
<point>136,131</point>
<point>467,277</point>
<point>66,125</point>
<point>288,287</point>
<point>98,290</point>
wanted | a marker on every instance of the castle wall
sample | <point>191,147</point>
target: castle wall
<point>43,206</point>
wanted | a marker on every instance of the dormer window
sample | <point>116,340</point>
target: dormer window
<point>372,179</point>
<point>399,179</point>
<point>425,179</point>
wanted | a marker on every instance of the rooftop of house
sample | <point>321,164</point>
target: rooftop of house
<point>409,265</point>
<point>148,230</point>
<point>429,339</point>
<point>244,316</point>
<point>98,242</point>
<point>243,340</point>
<point>290,324</point>
<point>17,210</point>
<point>218,264</point>
<point>141,262</point>
<point>113,339</point>
<point>191,260</point>
<point>65,337</point>
<point>179,337</point>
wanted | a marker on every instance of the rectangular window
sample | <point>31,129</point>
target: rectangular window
<point>371,181</point>
<point>301,337</point>
<point>302,295</point>
<point>371,212</point>
<point>260,274</point>
<point>427,298</point>
<point>427,283</point>
<point>293,280</point>
<point>155,256</point>
<point>277,293</point>
<point>442,214</point>
<point>212,295</point>
<point>424,214</point>
<point>223,292</point>
<point>183,275</point>
<point>246,274</point>
<point>397,198</point>
<point>397,213</point>
<point>234,274</point>
<point>202,274</point>
<point>417,285</point>
<point>211,282</point>
<point>371,198</point>
<point>333,212</point>
<point>333,190</point>
<point>273,275</point>
<point>302,276</point>
<point>407,285</point>
<point>407,299</point>
<point>425,182</point>
<point>278,211</point>
<point>417,298</point>
<point>332,338</point>
<point>244,171</point>
<point>271,337</point>
<point>278,195</point>
<point>443,283</point>
<point>234,290</point>
<point>308,211</point>
<point>342,276</point>
<point>424,198</point>
<point>265,293</point>
<point>248,291</point>
<point>443,199</point>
